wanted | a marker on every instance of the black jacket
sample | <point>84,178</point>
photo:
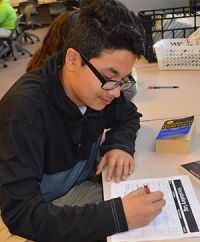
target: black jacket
<point>43,131</point>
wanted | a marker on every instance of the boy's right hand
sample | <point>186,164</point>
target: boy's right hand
<point>140,208</point>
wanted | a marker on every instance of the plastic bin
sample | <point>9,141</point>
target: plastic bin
<point>172,56</point>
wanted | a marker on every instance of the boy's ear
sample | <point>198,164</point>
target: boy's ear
<point>72,58</point>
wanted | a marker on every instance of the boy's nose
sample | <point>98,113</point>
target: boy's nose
<point>115,92</point>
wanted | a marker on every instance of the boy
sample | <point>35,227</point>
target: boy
<point>51,125</point>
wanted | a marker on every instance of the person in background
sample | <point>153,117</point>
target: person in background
<point>54,39</point>
<point>8,15</point>
<point>51,122</point>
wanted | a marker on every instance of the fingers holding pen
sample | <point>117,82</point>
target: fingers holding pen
<point>156,199</point>
<point>157,202</point>
<point>140,208</point>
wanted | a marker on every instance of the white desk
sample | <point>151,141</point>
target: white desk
<point>166,103</point>
<point>151,165</point>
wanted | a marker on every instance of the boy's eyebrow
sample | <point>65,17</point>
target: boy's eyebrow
<point>115,72</point>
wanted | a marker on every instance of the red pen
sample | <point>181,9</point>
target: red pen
<point>147,189</point>
<point>160,87</point>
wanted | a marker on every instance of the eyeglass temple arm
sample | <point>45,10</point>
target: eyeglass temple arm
<point>98,75</point>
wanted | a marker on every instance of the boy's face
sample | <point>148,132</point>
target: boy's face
<point>84,88</point>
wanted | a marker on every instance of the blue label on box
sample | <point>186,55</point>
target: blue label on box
<point>175,128</point>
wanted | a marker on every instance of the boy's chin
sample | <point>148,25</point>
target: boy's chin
<point>97,107</point>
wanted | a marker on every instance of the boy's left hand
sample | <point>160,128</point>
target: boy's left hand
<point>118,160</point>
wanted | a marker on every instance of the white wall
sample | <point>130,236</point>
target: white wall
<point>138,5</point>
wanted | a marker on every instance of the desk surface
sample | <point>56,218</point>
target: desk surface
<point>149,164</point>
<point>166,103</point>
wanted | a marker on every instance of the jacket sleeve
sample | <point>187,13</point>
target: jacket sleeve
<point>123,122</point>
<point>23,209</point>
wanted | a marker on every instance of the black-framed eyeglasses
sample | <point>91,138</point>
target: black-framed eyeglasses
<point>108,84</point>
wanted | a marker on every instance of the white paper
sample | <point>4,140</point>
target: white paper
<point>180,217</point>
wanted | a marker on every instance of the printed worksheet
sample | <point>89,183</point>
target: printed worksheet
<point>180,217</point>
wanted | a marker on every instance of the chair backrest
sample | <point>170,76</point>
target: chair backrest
<point>23,5</point>
<point>27,13</point>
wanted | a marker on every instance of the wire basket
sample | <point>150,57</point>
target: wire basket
<point>171,55</point>
<point>169,23</point>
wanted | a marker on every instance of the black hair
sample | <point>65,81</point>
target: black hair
<point>105,24</point>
